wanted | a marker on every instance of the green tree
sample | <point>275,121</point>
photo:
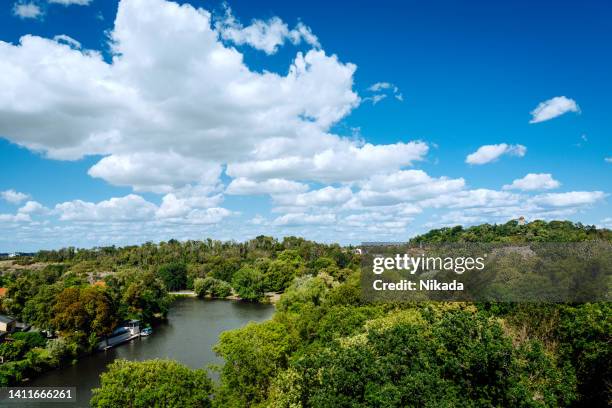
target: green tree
<point>174,275</point>
<point>322,263</point>
<point>152,383</point>
<point>80,312</point>
<point>223,268</point>
<point>38,310</point>
<point>253,354</point>
<point>280,274</point>
<point>146,297</point>
<point>249,283</point>
<point>20,290</point>
<point>584,333</point>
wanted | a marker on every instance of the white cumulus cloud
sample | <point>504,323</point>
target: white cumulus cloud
<point>19,217</point>
<point>327,196</point>
<point>205,216</point>
<point>383,89</point>
<point>480,197</point>
<point>13,197</point>
<point>32,207</point>
<point>488,153</point>
<point>244,186</point>
<point>571,198</point>
<point>343,161</point>
<point>129,208</point>
<point>25,10</point>
<point>296,219</point>
<point>63,38</point>
<point>552,108</point>
<point>403,186</point>
<point>264,35</point>
<point>533,181</point>
<point>156,172</point>
<point>183,202</point>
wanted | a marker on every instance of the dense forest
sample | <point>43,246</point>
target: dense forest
<point>325,346</point>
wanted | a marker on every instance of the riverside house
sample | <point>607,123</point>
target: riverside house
<point>7,324</point>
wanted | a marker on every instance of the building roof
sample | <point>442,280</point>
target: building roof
<point>6,319</point>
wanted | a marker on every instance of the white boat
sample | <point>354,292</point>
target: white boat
<point>122,334</point>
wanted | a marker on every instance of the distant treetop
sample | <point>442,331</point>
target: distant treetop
<point>515,232</point>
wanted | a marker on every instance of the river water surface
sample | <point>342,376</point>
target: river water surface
<point>192,329</point>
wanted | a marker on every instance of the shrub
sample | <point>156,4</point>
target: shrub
<point>212,287</point>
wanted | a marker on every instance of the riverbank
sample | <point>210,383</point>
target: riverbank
<point>183,293</point>
<point>58,353</point>
<point>191,330</point>
<point>269,297</point>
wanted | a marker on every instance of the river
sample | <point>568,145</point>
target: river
<point>193,327</point>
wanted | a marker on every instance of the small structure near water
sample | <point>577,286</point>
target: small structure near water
<point>128,331</point>
<point>7,324</point>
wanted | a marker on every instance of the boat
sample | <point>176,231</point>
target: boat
<point>122,334</point>
<point>147,331</point>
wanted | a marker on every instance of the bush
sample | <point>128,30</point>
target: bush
<point>12,372</point>
<point>31,339</point>
<point>212,287</point>
<point>13,350</point>
<point>221,289</point>
<point>62,352</point>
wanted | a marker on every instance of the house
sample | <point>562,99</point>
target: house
<point>7,324</point>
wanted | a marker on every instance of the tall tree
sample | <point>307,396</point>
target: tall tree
<point>81,312</point>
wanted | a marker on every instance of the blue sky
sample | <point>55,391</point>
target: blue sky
<point>122,123</point>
